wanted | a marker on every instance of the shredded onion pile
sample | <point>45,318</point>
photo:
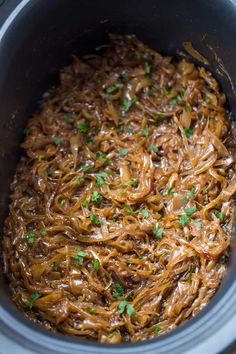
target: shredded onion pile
<point>121,209</point>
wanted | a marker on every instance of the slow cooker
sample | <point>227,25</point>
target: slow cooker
<point>38,38</point>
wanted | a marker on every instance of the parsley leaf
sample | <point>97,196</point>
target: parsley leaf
<point>69,118</point>
<point>100,178</point>
<point>96,197</point>
<point>125,306</point>
<point>85,203</point>
<point>126,104</point>
<point>96,265</point>
<point>188,132</point>
<point>119,291</point>
<point>95,220</point>
<point>55,266</point>
<point>154,148</point>
<point>133,182</point>
<point>184,219</point>
<point>32,299</point>
<point>130,211</point>
<point>123,152</point>
<point>113,88</point>
<point>43,232</point>
<point>159,329</point>
<point>158,230</point>
<point>192,194</point>
<point>86,167</point>
<point>148,68</point>
<point>79,258</point>
<point>100,155</point>
<point>190,211</point>
<point>58,141</point>
<point>171,191</point>
<point>79,180</point>
<point>30,237</point>
<point>219,215</point>
<point>145,132</point>
<point>145,213</point>
<point>83,127</point>
<point>184,199</point>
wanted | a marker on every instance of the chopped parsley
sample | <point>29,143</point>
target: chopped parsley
<point>133,182</point>
<point>119,291</point>
<point>96,265</point>
<point>83,127</point>
<point>100,179</point>
<point>207,100</point>
<point>43,232</point>
<point>123,152</point>
<point>62,202</point>
<point>145,213</point>
<point>190,211</point>
<point>129,261</point>
<point>130,211</point>
<point>188,132</point>
<point>55,266</point>
<point>79,180</point>
<point>219,215</point>
<point>184,199</point>
<point>171,191</point>
<point>69,118</point>
<point>86,167</point>
<point>192,194</point>
<point>158,230</point>
<point>113,88</point>
<point>95,220</point>
<point>125,306</point>
<point>184,219</point>
<point>159,329</point>
<point>80,255</point>
<point>126,104</point>
<point>145,132</point>
<point>100,155</point>
<point>35,296</point>
<point>154,148</point>
<point>178,99</point>
<point>58,141</point>
<point>30,237</point>
<point>96,197</point>
<point>85,203</point>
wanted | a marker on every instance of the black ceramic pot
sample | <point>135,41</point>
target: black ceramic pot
<point>37,38</point>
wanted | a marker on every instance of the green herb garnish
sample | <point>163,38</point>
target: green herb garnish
<point>30,237</point>
<point>83,127</point>
<point>100,179</point>
<point>32,299</point>
<point>80,255</point>
<point>145,213</point>
<point>171,191</point>
<point>43,232</point>
<point>130,211</point>
<point>133,182</point>
<point>55,266</point>
<point>79,181</point>
<point>184,219</point>
<point>96,197</point>
<point>62,202</point>
<point>184,199</point>
<point>119,291</point>
<point>125,306</point>
<point>100,155</point>
<point>207,100</point>
<point>69,118</point>
<point>96,265</point>
<point>114,88</point>
<point>192,194</point>
<point>158,230</point>
<point>123,152</point>
<point>85,203</point>
<point>190,211</point>
<point>145,132</point>
<point>219,215</point>
<point>188,132</point>
<point>159,329</point>
<point>95,220</point>
<point>126,104</point>
<point>58,141</point>
<point>86,167</point>
<point>154,148</point>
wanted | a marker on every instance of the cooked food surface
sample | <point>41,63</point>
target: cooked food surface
<point>121,208</point>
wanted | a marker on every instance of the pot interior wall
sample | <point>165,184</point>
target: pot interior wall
<point>44,35</point>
